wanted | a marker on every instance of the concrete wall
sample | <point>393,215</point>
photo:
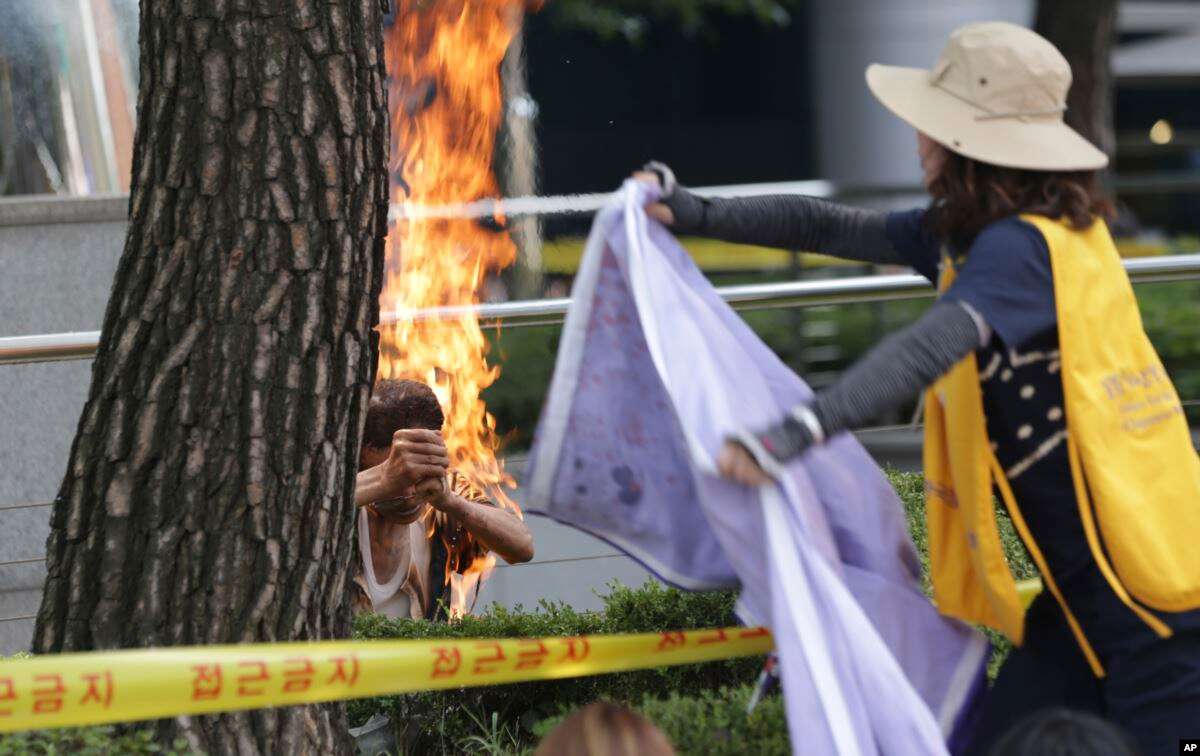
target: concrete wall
<point>57,260</point>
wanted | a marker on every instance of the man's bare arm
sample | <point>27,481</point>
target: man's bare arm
<point>497,529</point>
<point>370,487</point>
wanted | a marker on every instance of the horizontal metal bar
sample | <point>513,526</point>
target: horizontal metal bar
<point>38,210</point>
<point>49,347</point>
<point>18,619</point>
<point>567,204</point>
<point>13,507</point>
<point>34,560</point>
<point>824,292</point>
<point>833,291</point>
<point>48,209</point>
<point>1157,183</point>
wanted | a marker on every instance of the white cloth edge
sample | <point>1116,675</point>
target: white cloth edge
<point>562,391</point>
<point>961,682</point>
<point>827,683</point>
<point>809,631</point>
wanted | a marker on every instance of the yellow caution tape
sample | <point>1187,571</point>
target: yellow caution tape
<point>68,690</point>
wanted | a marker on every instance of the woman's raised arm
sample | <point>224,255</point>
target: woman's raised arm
<point>786,221</point>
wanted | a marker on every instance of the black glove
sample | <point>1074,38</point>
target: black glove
<point>773,447</point>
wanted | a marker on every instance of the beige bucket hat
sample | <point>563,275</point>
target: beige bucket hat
<point>997,94</point>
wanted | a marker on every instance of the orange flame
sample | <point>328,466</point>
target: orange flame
<point>443,60</point>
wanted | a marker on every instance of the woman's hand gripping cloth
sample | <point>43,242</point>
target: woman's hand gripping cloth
<point>654,370</point>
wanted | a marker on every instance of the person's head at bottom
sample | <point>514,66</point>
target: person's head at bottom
<point>1063,732</point>
<point>605,729</point>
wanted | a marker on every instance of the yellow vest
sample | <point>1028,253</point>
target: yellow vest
<point>1136,474</point>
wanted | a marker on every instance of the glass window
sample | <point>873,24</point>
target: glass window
<point>68,90</point>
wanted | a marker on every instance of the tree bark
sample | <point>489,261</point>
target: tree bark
<point>1083,30</point>
<point>208,497</point>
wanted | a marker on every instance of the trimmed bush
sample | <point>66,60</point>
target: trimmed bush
<point>1168,314</point>
<point>87,741</point>
<point>442,721</point>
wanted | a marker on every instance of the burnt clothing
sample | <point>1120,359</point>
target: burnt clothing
<point>421,551</point>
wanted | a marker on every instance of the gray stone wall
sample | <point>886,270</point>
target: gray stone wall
<point>57,258</point>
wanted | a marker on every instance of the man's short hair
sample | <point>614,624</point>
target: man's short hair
<point>399,405</point>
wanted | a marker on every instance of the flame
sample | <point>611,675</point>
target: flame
<point>443,60</point>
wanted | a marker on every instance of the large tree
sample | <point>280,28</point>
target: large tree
<point>208,493</point>
<point>1084,30</point>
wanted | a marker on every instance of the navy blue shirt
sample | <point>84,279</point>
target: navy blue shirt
<point>1006,278</point>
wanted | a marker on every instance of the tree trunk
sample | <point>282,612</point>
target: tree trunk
<point>1084,31</point>
<point>208,494</point>
<point>518,140</point>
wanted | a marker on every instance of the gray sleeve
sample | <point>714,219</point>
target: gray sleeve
<point>901,366</point>
<point>787,221</point>
<point>896,370</point>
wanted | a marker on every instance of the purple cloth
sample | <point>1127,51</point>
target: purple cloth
<point>653,371</point>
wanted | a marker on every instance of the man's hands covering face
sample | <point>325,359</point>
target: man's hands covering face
<point>433,491</point>
<point>416,456</point>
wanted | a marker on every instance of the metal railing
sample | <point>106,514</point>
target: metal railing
<point>82,345</point>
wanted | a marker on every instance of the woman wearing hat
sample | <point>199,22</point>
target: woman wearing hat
<point>1040,384</point>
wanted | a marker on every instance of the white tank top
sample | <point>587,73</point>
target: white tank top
<point>406,592</point>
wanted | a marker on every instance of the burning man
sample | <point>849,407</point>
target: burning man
<point>419,522</point>
<point>1039,381</point>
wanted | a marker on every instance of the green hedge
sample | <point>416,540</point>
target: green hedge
<point>699,706</point>
<point>1169,316</point>
<point>87,741</point>
<point>441,721</point>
